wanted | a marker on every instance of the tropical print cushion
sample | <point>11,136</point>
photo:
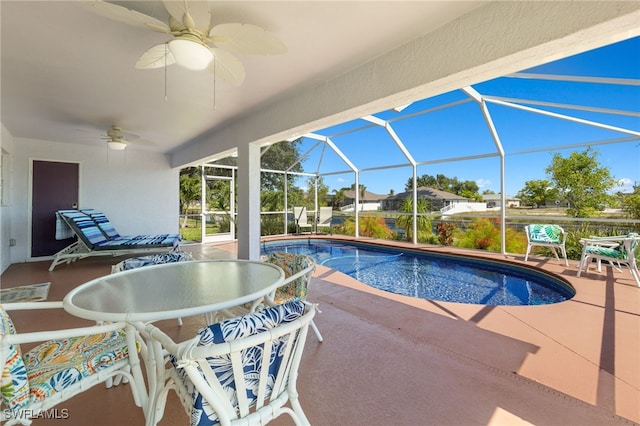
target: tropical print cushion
<point>617,252</point>
<point>291,263</point>
<point>614,253</point>
<point>545,234</point>
<point>236,328</point>
<point>14,383</point>
<point>57,364</point>
<point>157,259</point>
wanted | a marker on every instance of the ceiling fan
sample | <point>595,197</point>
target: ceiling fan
<point>197,43</point>
<point>117,139</point>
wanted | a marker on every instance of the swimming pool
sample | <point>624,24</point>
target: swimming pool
<point>432,276</point>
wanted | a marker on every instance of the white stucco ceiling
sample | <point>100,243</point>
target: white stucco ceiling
<point>68,74</point>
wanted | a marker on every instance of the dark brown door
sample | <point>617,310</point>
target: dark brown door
<point>55,187</point>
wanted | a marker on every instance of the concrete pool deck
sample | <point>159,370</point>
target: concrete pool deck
<point>391,359</point>
<point>587,347</point>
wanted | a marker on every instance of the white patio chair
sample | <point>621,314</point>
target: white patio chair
<point>240,371</point>
<point>155,259</point>
<point>298,270</point>
<point>324,220</point>
<point>302,222</point>
<point>68,362</point>
<point>617,251</point>
<point>550,236</point>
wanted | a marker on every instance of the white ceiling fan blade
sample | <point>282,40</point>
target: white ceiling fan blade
<point>246,38</point>
<point>193,14</point>
<point>127,16</point>
<point>156,57</point>
<point>227,67</point>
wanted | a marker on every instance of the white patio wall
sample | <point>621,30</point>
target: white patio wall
<point>137,190</point>
<point>6,144</point>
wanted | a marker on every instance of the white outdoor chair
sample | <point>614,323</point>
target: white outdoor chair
<point>620,251</point>
<point>240,371</point>
<point>155,259</point>
<point>67,363</point>
<point>324,220</point>
<point>298,270</point>
<point>550,236</point>
<point>302,222</point>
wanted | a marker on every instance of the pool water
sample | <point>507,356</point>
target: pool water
<point>432,276</point>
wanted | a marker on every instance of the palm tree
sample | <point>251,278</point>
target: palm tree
<point>338,198</point>
<point>405,221</point>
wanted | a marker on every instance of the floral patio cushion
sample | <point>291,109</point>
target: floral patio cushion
<point>291,263</point>
<point>55,365</point>
<point>14,383</point>
<point>232,329</point>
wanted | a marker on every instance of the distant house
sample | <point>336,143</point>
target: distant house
<point>370,201</point>
<point>493,200</point>
<point>438,199</point>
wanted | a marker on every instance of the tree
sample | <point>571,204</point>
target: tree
<point>323,190</point>
<point>631,203</point>
<point>338,197</point>
<point>468,188</point>
<point>189,189</point>
<point>361,192</point>
<point>582,181</point>
<point>280,156</point>
<point>405,221</point>
<point>537,193</point>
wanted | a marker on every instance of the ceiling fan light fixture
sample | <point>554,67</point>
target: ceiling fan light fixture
<point>190,54</point>
<point>117,145</point>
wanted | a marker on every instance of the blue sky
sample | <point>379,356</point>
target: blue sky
<point>460,130</point>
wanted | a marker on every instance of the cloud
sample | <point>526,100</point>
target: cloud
<point>483,182</point>
<point>624,185</point>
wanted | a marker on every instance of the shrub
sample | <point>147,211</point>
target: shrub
<point>445,233</point>
<point>370,226</point>
<point>374,226</point>
<point>484,234</point>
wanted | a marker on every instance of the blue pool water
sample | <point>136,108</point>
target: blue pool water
<point>432,276</point>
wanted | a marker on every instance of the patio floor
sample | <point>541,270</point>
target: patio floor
<point>390,359</point>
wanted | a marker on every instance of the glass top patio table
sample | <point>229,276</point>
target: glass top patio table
<point>173,290</point>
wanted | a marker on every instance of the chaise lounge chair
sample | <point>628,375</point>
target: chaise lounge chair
<point>300,215</point>
<point>324,221</point>
<point>96,236</point>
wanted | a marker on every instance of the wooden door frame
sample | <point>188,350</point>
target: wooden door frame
<point>30,201</point>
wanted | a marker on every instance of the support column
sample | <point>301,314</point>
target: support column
<point>249,202</point>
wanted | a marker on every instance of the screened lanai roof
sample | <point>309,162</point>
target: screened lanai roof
<point>587,100</point>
